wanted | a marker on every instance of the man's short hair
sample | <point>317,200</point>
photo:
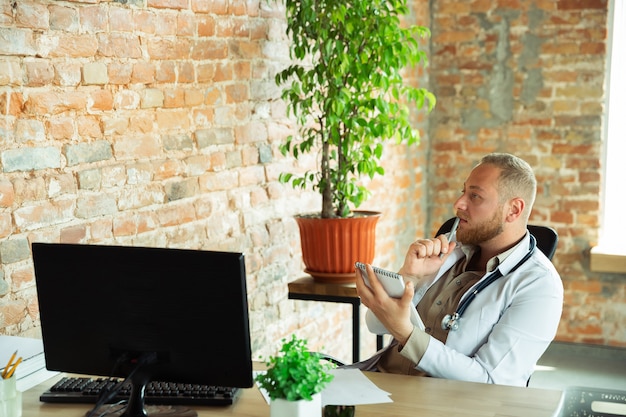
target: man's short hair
<point>517,178</point>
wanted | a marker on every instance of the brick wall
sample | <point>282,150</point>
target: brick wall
<point>157,122</point>
<point>528,78</point>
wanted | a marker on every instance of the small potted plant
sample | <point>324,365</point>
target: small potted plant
<point>294,380</point>
<point>348,96</point>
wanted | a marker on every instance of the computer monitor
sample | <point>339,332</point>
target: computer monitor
<point>173,315</point>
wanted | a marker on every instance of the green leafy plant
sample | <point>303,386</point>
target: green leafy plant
<point>296,373</point>
<point>347,92</point>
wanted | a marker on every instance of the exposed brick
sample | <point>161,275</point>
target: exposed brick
<point>177,190</point>
<point>143,72</point>
<point>32,15</point>
<point>95,73</point>
<point>67,73</point>
<point>6,224</point>
<point>172,120</point>
<point>101,100</point>
<point>44,214</point>
<point>191,114</point>
<point>177,142</point>
<point>29,190</point>
<point>168,4</point>
<point>89,179</point>
<point>581,4</point>
<point>94,205</point>
<point>166,72</point>
<point>218,7</point>
<point>121,45</point>
<point>139,146</point>
<point>29,130</point>
<point>93,18</point>
<point>49,103</point>
<point>63,18</point>
<point>87,152</point>
<point>253,132</point>
<point>206,50</point>
<point>207,137</point>
<point>165,49</point>
<point>79,45</point>
<point>206,26</point>
<point>74,234</point>
<point>121,19</point>
<point>175,214</point>
<point>101,229</point>
<point>39,73</point>
<point>144,21</point>
<point>119,73</point>
<point>28,159</point>
<point>186,72</point>
<point>152,97</point>
<point>7,193</point>
<point>15,41</point>
<point>138,198</point>
<point>174,98</point>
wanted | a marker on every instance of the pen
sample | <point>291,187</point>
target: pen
<point>12,371</point>
<point>452,237</point>
<point>6,368</point>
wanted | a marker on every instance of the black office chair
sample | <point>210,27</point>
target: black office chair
<point>547,237</point>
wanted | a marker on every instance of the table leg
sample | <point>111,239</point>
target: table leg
<point>356,331</point>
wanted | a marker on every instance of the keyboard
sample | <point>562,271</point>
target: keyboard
<point>86,390</point>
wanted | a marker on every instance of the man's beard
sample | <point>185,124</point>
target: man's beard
<point>482,232</point>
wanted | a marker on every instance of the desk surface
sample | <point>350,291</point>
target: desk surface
<point>412,396</point>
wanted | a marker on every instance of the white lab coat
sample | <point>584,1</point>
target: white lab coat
<point>504,330</point>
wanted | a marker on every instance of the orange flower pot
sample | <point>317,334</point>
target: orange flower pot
<point>330,247</point>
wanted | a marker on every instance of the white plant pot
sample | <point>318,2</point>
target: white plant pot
<point>301,408</point>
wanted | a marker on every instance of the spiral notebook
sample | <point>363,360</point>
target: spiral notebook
<point>393,283</point>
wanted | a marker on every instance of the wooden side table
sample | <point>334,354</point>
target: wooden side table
<point>307,288</point>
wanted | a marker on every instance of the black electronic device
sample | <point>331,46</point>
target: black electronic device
<point>145,314</point>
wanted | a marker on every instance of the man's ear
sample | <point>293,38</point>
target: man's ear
<point>515,209</point>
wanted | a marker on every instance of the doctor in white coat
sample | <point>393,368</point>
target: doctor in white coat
<point>489,303</point>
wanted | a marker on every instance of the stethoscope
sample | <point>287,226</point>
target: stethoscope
<point>451,321</point>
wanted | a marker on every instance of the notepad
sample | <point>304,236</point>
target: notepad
<point>393,283</point>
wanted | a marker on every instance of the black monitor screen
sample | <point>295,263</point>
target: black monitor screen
<point>185,312</point>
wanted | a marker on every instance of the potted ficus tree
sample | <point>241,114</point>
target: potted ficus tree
<point>346,91</point>
<point>294,380</point>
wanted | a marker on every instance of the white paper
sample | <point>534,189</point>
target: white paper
<point>352,387</point>
<point>348,387</point>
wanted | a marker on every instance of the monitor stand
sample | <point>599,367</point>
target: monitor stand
<point>136,406</point>
<point>116,410</point>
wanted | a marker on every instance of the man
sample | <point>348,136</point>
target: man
<point>506,326</point>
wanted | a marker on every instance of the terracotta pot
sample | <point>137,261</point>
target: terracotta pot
<point>330,247</point>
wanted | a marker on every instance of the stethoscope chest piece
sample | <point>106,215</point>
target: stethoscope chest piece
<point>450,322</point>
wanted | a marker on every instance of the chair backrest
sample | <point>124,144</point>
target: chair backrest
<point>547,237</point>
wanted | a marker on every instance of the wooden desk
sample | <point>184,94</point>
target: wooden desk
<point>307,288</point>
<point>412,396</point>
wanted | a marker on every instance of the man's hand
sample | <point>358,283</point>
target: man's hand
<point>393,313</point>
<point>423,258</point>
